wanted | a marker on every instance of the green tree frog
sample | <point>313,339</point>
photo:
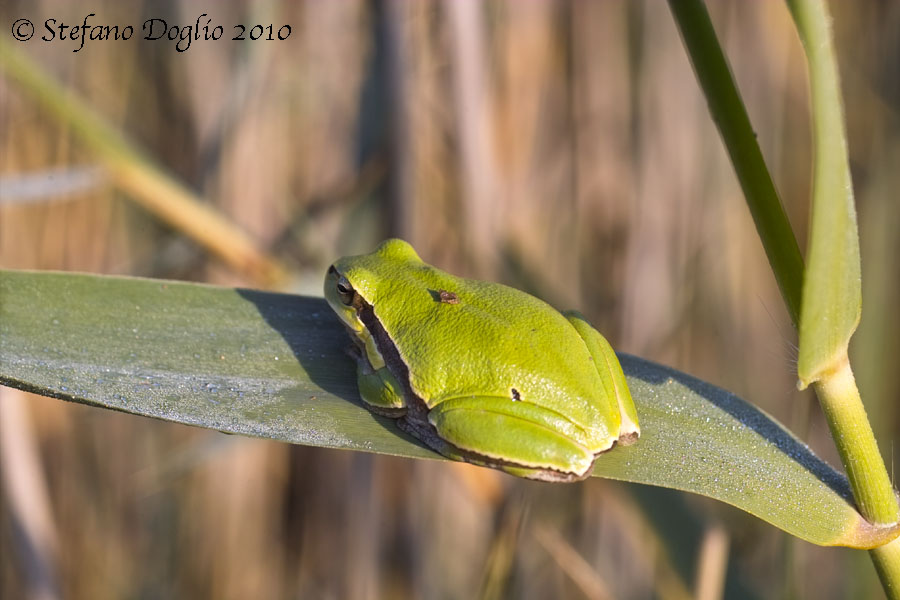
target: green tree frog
<point>479,371</point>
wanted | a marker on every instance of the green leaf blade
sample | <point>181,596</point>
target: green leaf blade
<point>272,366</point>
<point>699,438</point>
<point>832,287</point>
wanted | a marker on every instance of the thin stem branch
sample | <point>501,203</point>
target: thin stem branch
<point>730,115</point>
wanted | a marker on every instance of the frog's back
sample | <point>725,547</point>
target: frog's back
<point>525,351</point>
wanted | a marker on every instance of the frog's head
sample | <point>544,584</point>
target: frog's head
<point>353,281</point>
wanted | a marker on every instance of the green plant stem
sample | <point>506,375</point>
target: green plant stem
<point>856,444</point>
<point>833,283</point>
<point>835,385</point>
<point>886,559</point>
<point>730,115</point>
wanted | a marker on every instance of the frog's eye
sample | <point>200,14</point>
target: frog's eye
<point>345,291</point>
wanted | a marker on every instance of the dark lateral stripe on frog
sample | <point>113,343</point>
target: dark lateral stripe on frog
<point>391,356</point>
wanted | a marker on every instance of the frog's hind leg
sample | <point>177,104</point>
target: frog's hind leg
<point>611,374</point>
<point>504,434</point>
<point>428,435</point>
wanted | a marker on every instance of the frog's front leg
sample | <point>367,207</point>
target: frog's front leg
<point>378,388</point>
<point>517,437</point>
<point>611,374</point>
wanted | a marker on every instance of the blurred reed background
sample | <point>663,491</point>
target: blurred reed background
<point>560,147</point>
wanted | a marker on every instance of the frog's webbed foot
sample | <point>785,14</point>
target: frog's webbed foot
<point>425,433</point>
